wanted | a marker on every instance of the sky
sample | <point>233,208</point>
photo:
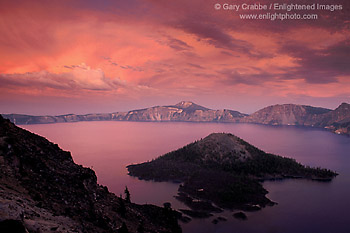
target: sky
<point>86,56</point>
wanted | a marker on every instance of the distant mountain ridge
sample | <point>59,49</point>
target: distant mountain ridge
<point>286,114</point>
<point>183,111</point>
<point>337,120</point>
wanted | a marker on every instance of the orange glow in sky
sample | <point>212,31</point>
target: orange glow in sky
<point>61,57</point>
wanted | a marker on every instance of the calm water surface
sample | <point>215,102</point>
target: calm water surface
<point>303,206</point>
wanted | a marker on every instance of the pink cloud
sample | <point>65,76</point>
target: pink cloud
<point>169,50</point>
<point>79,77</point>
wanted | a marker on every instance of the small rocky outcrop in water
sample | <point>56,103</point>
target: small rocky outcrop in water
<point>43,190</point>
<point>240,215</point>
<point>224,170</point>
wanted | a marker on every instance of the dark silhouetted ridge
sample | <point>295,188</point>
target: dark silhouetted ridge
<point>42,189</point>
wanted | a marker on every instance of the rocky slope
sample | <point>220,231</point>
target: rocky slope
<point>225,170</point>
<point>337,120</point>
<point>43,190</point>
<point>286,114</point>
<point>183,111</point>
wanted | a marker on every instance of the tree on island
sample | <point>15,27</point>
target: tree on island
<point>127,194</point>
<point>121,209</point>
<point>123,229</point>
<point>141,228</point>
<point>167,205</point>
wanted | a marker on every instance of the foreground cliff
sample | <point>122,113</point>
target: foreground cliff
<point>225,170</point>
<point>43,190</point>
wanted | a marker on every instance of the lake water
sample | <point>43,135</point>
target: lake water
<point>303,206</point>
